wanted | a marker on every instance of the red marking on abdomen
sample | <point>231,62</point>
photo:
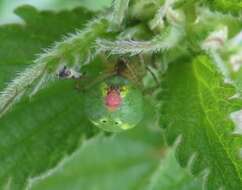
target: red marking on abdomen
<point>113,99</point>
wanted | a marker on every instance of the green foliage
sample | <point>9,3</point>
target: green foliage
<point>39,31</point>
<point>6,7</point>
<point>30,146</point>
<point>170,175</point>
<point>135,159</point>
<point>226,6</point>
<point>196,108</point>
<point>233,7</point>
<point>37,143</point>
<point>185,57</point>
<point>70,52</point>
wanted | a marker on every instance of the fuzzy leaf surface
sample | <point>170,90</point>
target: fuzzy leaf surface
<point>39,132</point>
<point>226,6</point>
<point>138,161</point>
<point>197,108</point>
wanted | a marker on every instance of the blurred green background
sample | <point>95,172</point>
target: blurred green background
<point>135,160</point>
<point>7,6</point>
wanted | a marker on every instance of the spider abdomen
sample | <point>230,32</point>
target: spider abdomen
<point>114,105</point>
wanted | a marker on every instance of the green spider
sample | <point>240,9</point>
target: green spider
<point>115,103</point>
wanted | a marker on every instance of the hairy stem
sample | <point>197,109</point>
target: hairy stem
<point>72,50</point>
<point>166,40</point>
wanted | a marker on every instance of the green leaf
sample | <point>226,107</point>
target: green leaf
<point>197,108</point>
<point>7,7</point>
<point>90,4</point>
<point>134,164</point>
<point>170,175</point>
<point>37,134</point>
<point>226,6</point>
<point>40,30</point>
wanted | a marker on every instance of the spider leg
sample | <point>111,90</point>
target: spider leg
<point>85,83</point>
<point>152,70</point>
<point>149,67</point>
<point>107,61</point>
<point>82,80</point>
<point>153,75</point>
<point>132,72</point>
<point>103,58</point>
